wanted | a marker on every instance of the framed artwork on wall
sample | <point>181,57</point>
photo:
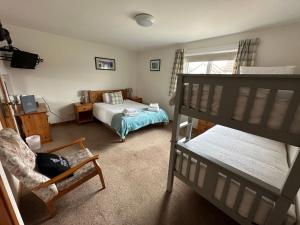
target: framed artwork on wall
<point>155,65</point>
<point>105,63</point>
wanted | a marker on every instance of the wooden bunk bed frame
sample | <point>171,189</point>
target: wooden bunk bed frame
<point>231,85</point>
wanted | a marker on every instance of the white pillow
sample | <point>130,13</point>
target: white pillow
<point>267,70</point>
<point>106,98</point>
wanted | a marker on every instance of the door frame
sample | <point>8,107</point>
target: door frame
<point>11,210</point>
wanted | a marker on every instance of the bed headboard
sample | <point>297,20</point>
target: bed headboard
<point>96,96</point>
<point>222,109</point>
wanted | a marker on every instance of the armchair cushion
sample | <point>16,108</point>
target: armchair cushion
<point>19,160</point>
<point>74,158</point>
<point>13,147</point>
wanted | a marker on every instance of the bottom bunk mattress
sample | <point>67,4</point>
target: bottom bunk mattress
<point>112,115</point>
<point>259,157</point>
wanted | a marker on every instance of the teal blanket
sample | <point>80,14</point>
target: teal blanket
<point>124,124</point>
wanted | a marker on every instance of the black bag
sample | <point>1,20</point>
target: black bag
<point>51,165</point>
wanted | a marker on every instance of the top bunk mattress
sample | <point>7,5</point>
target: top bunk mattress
<point>276,117</point>
<point>105,112</point>
<point>259,157</point>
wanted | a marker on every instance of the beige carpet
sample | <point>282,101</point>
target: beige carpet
<point>135,173</point>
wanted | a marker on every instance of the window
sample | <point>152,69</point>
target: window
<point>219,63</point>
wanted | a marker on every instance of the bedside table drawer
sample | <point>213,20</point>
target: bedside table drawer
<point>83,108</point>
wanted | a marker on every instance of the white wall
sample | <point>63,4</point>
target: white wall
<point>279,46</point>
<point>153,86</point>
<point>68,67</point>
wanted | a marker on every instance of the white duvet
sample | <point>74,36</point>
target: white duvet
<point>105,112</point>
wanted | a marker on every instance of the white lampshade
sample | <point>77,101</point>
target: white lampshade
<point>145,20</point>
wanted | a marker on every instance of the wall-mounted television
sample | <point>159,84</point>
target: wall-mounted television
<point>24,60</point>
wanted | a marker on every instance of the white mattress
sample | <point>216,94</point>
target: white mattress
<point>105,112</point>
<point>257,156</point>
<point>277,114</point>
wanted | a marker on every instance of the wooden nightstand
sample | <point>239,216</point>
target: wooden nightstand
<point>83,112</point>
<point>136,99</point>
<point>203,126</point>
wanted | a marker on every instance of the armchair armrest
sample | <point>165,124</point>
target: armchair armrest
<point>66,173</point>
<point>79,141</point>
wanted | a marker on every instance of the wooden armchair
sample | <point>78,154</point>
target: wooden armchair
<point>20,161</point>
<point>67,184</point>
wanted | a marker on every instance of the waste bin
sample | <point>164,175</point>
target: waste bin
<point>34,142</point>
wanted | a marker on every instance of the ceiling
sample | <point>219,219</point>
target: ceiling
<point>178,21</point>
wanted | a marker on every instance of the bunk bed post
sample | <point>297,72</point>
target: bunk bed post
<point>287,196</point>
<point>175,131</point>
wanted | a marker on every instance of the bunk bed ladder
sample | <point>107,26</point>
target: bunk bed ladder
<point>189,123</point>
<point>189,126</point>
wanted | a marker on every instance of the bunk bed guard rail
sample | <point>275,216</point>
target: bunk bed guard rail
<point>264,105</point>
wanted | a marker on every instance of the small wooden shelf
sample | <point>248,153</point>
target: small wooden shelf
<point>83,112</point>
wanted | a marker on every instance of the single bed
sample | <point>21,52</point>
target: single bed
<point>243,166</point>
<point>112,115</point>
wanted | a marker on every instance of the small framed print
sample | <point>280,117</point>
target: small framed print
<point>155,65</point>
<point>105,63</point>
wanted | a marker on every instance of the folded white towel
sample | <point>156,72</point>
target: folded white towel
<point>153,109</point>
<point>157,108</point>
<point>130,112</point>
<point>154,105</point>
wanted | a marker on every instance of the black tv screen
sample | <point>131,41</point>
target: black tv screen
<point>24,60</point>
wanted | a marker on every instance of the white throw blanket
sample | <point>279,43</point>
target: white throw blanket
<point>130,112</point>
<point>153,107</point>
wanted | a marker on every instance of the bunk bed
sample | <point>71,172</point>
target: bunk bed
<point>244,165</point>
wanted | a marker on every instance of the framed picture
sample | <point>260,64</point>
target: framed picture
<point>155,65</point>
<point>105,64</point>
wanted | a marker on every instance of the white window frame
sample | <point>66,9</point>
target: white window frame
<point>203,54</point>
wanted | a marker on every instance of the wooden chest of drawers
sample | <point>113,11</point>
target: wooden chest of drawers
<point>35,123</point>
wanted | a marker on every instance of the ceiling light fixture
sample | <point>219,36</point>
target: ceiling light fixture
<point>144,19</point>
